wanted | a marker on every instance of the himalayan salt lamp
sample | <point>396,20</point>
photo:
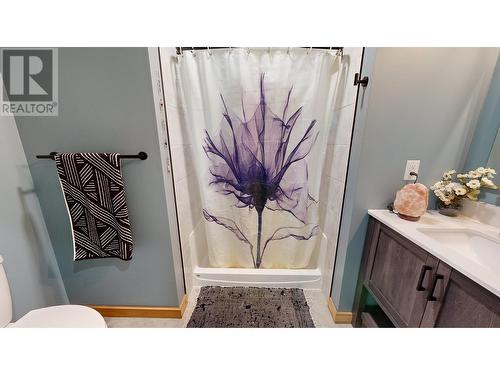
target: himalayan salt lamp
<point>411,201</point>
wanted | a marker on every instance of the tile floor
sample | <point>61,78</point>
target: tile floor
<point>317,305</point>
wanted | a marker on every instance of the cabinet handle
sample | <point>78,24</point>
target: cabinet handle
<point>430,296</point>
<point>423,271</point>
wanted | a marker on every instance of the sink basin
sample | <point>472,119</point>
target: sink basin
<point>478,247</point>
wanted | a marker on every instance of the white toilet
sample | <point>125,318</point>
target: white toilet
<point>64,316</point>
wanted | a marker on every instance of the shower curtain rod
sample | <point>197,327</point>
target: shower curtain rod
<point>179,50</point>
<point>141,155</point>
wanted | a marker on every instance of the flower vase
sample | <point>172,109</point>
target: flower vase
<point>449,209</point>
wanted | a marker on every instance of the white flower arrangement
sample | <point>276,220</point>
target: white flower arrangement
<point>467,185</point>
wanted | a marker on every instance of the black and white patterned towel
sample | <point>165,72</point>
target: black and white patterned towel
<point>95,197</point>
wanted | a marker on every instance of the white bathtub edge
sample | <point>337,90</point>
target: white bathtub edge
<point>268,278</point>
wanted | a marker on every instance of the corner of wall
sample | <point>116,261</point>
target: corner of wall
<point>34,277</point>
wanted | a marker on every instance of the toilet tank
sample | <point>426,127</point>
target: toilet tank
<point>5,299</point>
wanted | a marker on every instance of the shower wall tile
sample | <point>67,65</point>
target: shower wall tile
<point>182,159</point>
<point>171,96</point>
<point>176,129</point>
<point>331,196</point>
<point>188,265</point>
<point>334,172</point>
<point>188,200</point>
<point>340,154</point>
<point>336,162</point>
<point>188,205</point>
<point>335,195</point>
<point>329,259</point>
<point>340,132</point>
<point>185,182</point>
<point>168,59</point>
<point>324,189</point>
<point>351,63</point>
<point>332,220</point>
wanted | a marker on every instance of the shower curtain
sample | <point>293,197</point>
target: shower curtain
<point>258,122</point>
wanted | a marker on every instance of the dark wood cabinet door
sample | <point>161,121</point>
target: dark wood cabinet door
<point>398,275</point>
<point>458,301</point>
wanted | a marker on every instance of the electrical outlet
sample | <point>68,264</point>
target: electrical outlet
<point>411,166</point>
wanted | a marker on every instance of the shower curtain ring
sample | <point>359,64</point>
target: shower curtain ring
<point>310,49</point>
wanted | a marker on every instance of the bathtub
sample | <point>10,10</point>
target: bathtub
<point>269,278</point>
<point>200,272</point>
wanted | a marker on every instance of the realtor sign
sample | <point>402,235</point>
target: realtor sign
<point>30,86</point>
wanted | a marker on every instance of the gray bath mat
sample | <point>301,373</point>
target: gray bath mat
<point>220,307</point>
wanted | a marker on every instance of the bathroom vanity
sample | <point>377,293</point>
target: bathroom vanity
<point>437,272</point>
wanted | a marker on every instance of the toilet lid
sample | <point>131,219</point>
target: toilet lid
<point>64,316</point>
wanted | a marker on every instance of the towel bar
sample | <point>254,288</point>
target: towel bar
<point>141,155</point>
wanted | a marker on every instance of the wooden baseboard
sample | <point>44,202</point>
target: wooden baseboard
<point>339,317</point>
<point>142,311</point>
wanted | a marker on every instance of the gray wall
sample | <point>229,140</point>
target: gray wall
<point>421,103</point>
<point>485,135</point>
<point>106,105</point>
<point>29,259</point>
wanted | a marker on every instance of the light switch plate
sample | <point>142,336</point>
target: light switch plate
<point>411,166</point>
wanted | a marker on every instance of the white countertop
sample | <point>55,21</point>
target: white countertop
<point>488,278</point>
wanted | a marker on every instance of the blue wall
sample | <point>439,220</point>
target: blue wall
<point>485,135</point>
<point>106,104</point>
<point>29,260</point>
<point>421,103</point>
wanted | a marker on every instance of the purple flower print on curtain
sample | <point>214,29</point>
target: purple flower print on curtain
<point>253,161</point>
